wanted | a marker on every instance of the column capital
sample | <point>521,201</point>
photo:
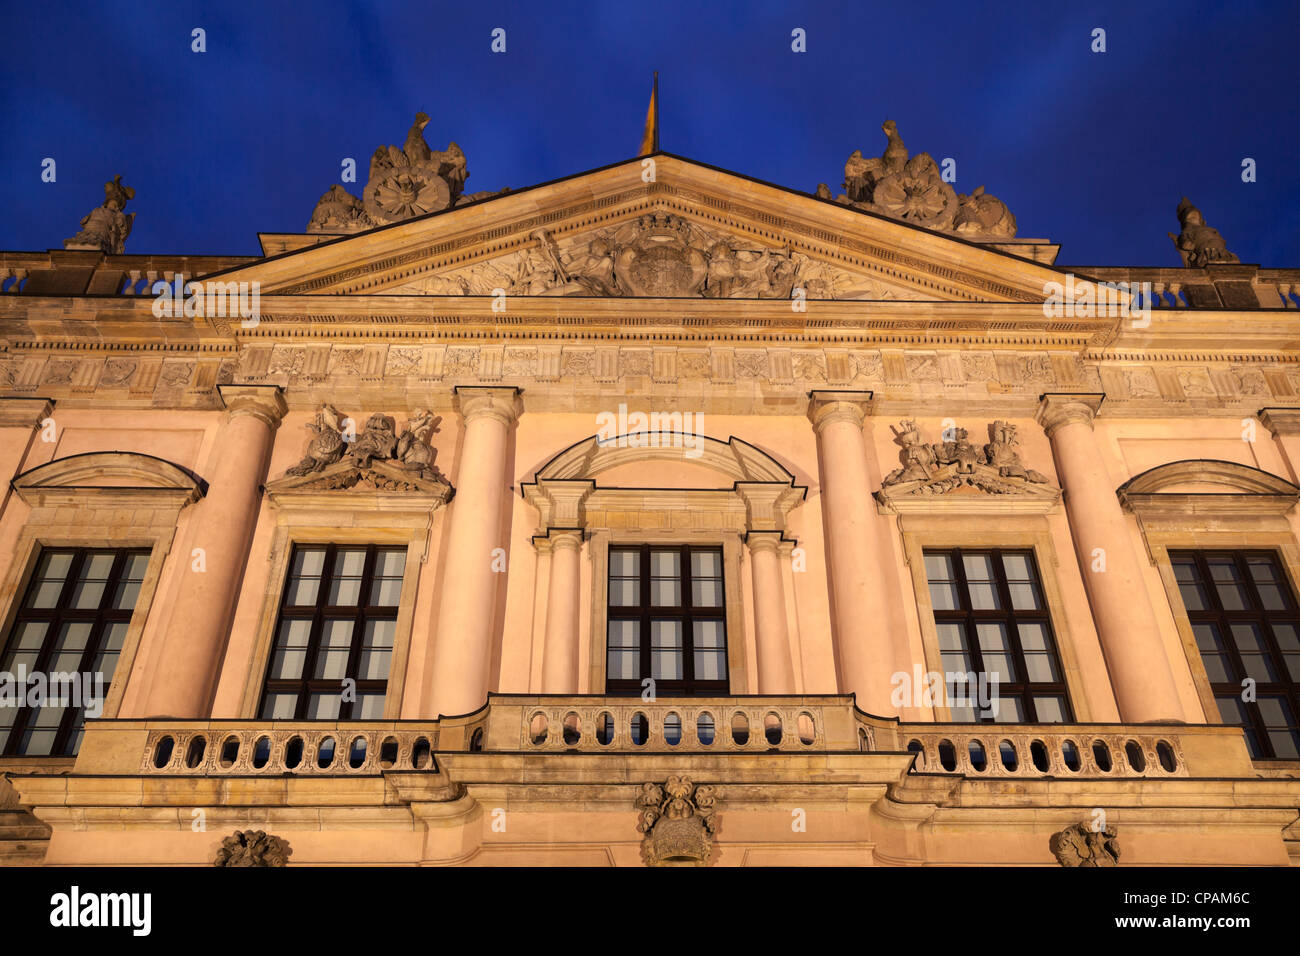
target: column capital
<point>489,401</point>
<point>264,402</point>
<point>826,406</point>
<point>562,538</point>
<point>1280,421</point>
<point>768,503</point>
<point>24,412</point>
<point>1063,408</point>
<point>765,541</point>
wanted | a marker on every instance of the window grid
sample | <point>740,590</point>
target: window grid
<point>1021,699</point>
<point>77,608</point>
<point>1227,596</point>
<point>681,643</point>
<point>344,631</point>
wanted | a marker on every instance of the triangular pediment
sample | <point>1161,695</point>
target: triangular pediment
<point>661,227</point>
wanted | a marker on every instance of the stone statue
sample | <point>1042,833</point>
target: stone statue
<point>253,848</point>
<point>106,227</point>
<point>412,181</point>
<point>1002,455</point>
<point>1198,243</point>
<point>1080,845</point>
<point>413,448</point>
<point>918,458</point>
<point>326,447</point>
<point>912,189</point>
<point>958,451</point>
<point>339,211</point>
<point>984,215</point>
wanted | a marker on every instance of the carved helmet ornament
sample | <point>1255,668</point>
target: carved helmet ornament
<point>679,821</point>
<point>912,190</point>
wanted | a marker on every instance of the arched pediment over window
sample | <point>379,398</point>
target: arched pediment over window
<point>1207,487</point>
<point>127,477</point>
<point>737,459</point>
<point>757,488</point>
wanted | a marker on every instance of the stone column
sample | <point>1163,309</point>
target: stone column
<point>194,639</point>
<point>560,654</point>
<point>771,635</point>
<point>462,643</point>
<point>856,543</point>
<point>1121,608</point>
<point>1284,424</point>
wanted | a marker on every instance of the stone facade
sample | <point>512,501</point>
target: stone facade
<point>829,393</point>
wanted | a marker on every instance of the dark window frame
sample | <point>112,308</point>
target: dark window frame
<point>687,613</point>
<point>318,614</point>
<point>968,617</point>
<point>55,617</point>
<point>1257,614</point>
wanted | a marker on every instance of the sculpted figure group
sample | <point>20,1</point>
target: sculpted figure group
<point>940,467</point>
<point>334,439</point>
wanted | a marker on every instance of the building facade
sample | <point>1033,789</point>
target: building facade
<point>652,515</point>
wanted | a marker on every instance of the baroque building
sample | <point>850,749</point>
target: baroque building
<point>655,515</point>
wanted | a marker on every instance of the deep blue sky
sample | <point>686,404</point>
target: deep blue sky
<point>1090,150</point>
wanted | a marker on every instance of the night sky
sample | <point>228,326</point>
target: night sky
<point>1091,150</point>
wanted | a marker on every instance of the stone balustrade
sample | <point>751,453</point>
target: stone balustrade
<point>273,748</point>
<point>1022,750</point>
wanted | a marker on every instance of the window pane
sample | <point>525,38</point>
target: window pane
<point>706,593</point>
<point>1008,710</point>
<point>386,591</point>
<point>1254,656</point>
<point>304,577</point>
<point>376,650</point>
<point>1021,582</point>
<point>323,706</point>
<point>1050,709</point>
<point>624,592</point>
<point>624,660</point>
<point>70,646</point>
<point>345,581</point>
<point>996,652</point>
<point>665,592</point>
<point>1272,593</point>
<point>1189,585</point>
<point>979,581</point>
<point>665,564</point>
<point>336,645</point>
<point>91,581</point>
<point>1213,655</point>
<point>623,564</point>
<point>291,650</point>
<point>25,645</point>
<point>666,650</point>
<point>706,564</point>
<point>943,595</point>
<point>1288,640</point>
<point>368,707</point>
<point>42,728</point>
<point>710,650</point>
<point>279,706</point>
<point>1223,572</point>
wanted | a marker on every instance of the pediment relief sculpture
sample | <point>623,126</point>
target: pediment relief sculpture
<point>403,183</point>
<point>1199,244</point>
<point>912,189</point>
<point>955,464</point>
<point>659,254</point>
<point>679,820</point>
<point>1082,846</point>
<point>379,456</point>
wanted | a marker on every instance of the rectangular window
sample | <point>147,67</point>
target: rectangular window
<point>667,620</point>
<point>1244,616</point>
<point>334,637</point>
<point>992,622</point>
<point>69,629</point>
